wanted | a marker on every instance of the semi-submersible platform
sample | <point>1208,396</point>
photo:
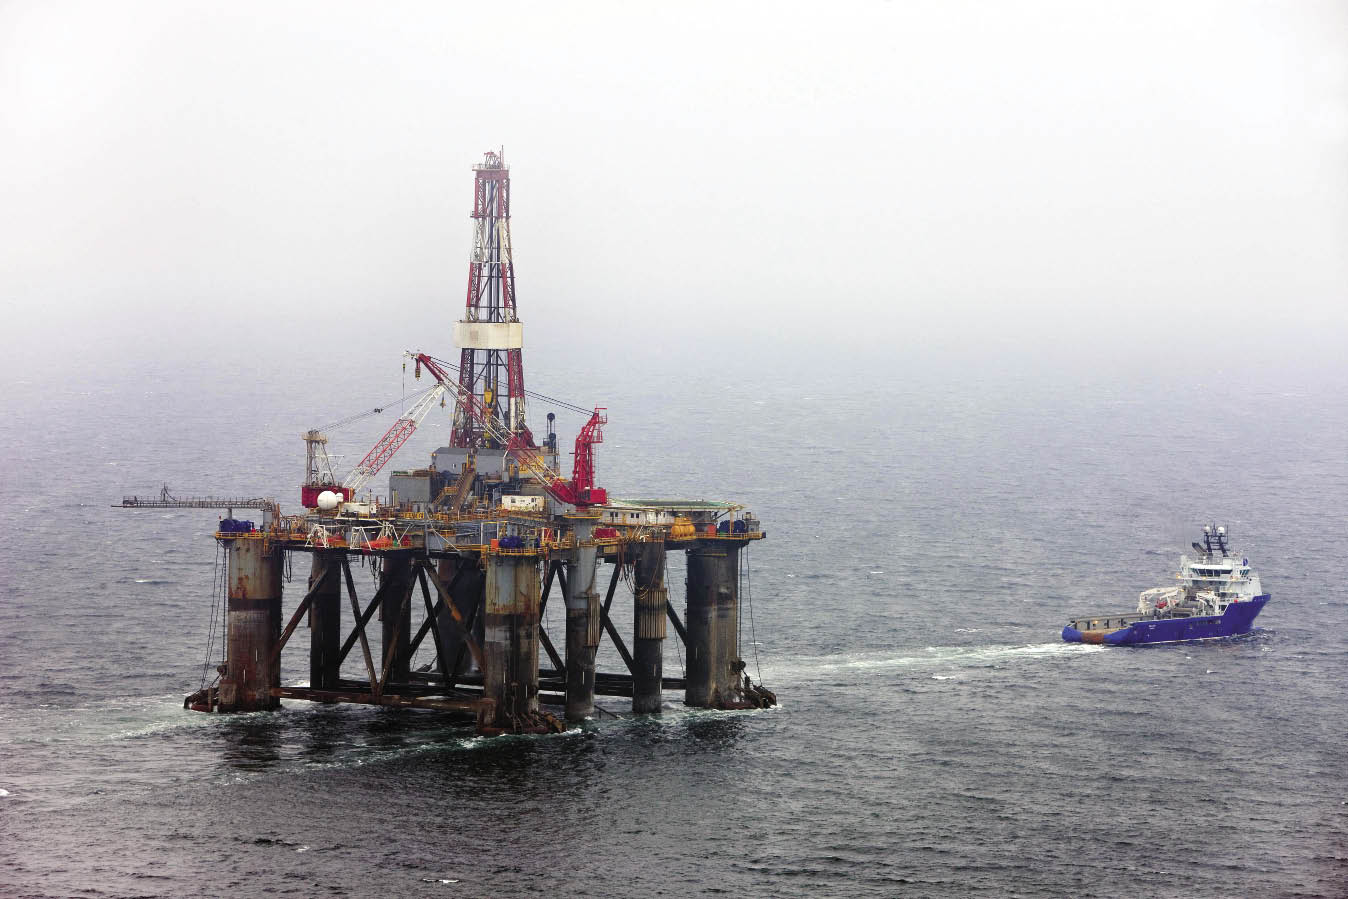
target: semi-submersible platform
<point>468,552</point>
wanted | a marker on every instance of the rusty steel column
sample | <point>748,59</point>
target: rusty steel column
<point>325,621</point>
<point>712,615</point>
<point>252,624</point>
<point>510,648</point>
<point>582,624</point>
<point>396,616</point>
<point>648,642</point>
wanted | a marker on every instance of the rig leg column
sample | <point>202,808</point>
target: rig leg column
<point>648,642</point>
<point>325,621</point>
<point>396,615</point>
<point>510,648</point>
<point>253,626</point>
<point>713,610</point>
<point>582,625</point>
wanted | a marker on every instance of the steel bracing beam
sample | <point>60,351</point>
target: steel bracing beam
<point>463,647</point>
<point>554,572</point>
<point>674,620</point>
<point>358,632</point>
<point>426,576</point>
<point>319,585</point>
<point>360,623</point>
<point>608,624</point>
<point>465,627</point>
<point>441,662</point>
<point>429,624</point>
<point>448,600</point>
<point>404,610</point>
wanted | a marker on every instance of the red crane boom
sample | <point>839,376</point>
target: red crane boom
<point>580,491</point>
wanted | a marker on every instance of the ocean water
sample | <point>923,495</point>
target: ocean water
<point>928,535</point>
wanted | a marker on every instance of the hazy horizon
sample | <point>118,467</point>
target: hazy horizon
<point>1012,182</point>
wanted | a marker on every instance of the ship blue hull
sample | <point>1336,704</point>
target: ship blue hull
<point>1238,619</point>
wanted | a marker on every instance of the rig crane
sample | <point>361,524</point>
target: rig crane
<point>319,477</point>
<point>580,491</point>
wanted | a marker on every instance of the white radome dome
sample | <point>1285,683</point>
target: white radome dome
<point>327,500</point>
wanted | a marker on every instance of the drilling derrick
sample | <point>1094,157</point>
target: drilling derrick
<point>490,337</point>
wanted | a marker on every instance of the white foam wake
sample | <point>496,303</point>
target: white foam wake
<point>879,662</point>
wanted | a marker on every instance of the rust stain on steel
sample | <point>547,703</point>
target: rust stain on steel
<point>530,723</point>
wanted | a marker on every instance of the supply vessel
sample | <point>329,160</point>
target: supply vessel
<point>1218,595</point>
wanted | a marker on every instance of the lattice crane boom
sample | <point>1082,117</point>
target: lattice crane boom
<point>392,441</point>
<point>318,473</point>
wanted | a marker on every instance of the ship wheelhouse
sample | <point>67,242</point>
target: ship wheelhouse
<point>1216,578</point>
<point>1208,582</point>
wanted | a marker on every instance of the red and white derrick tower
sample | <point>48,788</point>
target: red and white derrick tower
<point>490,337</point>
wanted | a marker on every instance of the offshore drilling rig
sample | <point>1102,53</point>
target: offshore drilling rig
<point>469,549</point>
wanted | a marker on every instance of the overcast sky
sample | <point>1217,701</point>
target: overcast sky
<point>1018,175</point>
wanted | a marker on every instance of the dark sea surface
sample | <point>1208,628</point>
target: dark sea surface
<point>929,532</point>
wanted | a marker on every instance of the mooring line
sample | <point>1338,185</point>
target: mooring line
<point>749,595</point>
<point>215,601</point>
